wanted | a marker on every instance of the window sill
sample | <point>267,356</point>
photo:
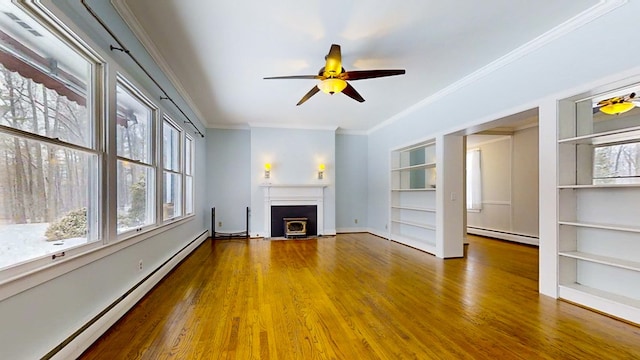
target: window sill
<point>76,258</point>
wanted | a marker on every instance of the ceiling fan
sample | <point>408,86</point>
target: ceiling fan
<point>333,77</point>
<point>618,104</point>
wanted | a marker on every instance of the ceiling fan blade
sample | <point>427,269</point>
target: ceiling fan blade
<point>352,93</point>
<point>318,77</point>
<point>368,74</point>
<point>333,67</point>
<point>314,90</point>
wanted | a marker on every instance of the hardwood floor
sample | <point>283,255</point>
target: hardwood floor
<point>357,296</point>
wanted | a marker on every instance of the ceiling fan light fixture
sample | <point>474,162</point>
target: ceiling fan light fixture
<point>332,85</point>
<point>617,108</point>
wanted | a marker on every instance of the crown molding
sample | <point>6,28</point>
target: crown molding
<point>293,126</point>
<point>602,8</point>
<point>123,9</point>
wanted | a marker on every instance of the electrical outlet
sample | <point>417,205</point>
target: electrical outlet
<point>355,221</point>
<point>219,223</point>
<point>140,265</point>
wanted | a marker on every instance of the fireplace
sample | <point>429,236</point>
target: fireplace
<point>295,227</point>
<point>280,213</point>
<point>302,200</point>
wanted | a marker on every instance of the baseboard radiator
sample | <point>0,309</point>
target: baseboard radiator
<point>504,235</point>
<point>73,346</point>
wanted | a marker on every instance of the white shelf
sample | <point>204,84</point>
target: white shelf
<point>413,208</point>
<point>627,228</point>
<point>599,186</point>
<point>414,242</point>
<point>614,304</point>
<point>416,167</point>
<point>415,224</point>
<point>423,189</point>
<point>604,137</point>
<point>604,260</point>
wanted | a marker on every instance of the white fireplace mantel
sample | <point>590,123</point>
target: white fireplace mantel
<point>291,195</point>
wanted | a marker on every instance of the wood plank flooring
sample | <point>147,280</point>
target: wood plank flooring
<point>357,296</point>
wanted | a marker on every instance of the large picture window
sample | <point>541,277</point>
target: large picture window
<point>49,187</point>
<point>135,147</point>
<point>172,175</point>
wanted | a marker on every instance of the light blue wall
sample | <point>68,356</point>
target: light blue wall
<point>351,182</point>
<point>294,155</point>
<point>592,52</point>
<point>229,176</point>
<point>36,320</point>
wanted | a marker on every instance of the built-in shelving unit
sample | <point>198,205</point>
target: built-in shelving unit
<point>413,196</point>
<point>598,225</point>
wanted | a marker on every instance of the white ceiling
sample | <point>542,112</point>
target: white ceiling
<point>217,52</point>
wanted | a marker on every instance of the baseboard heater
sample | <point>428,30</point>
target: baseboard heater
<point>74,345</point>
<point>504,235</point>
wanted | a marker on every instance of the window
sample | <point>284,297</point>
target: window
<point>136,171</point>
<point>474,181</point>
<point>172,176</point>
<point>49,183</point>
<point>188,174</point>
<point>617,164</point>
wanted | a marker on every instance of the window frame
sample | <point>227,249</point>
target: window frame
<point>615,180</point>
<point>95,108</point>
<point>189,143</point>
<point>152,162</point>
<point>166,119</point>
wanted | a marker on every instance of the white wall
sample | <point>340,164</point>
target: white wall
<point>570,61</point>
<point>509,186</point>
<point>294,155</point>
<point>524,192</point>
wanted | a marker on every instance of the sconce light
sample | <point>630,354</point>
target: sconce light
<point>267,170</point>
<point>320,171</point>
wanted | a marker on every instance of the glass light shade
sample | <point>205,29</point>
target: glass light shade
<point>321,167</point>
<point>617,108</point>
<point>332,85</point>
<point>267,166</point>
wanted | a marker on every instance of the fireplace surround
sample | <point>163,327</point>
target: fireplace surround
<point>294,195</point>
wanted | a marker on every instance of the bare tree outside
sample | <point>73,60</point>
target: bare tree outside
<point>617,164</point>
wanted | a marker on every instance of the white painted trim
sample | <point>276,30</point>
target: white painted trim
<point>350,132</point>
<point>351,230</point>
<point>376,232</point>
<point>228,126</point>
<point>129,18</point>
<point>603,7</point>
<point>478,145</point>
<point>24,280</point>
<point>292,195</point>
<point>520,238</point>
<point>82,342</point>
<point>293,126</point>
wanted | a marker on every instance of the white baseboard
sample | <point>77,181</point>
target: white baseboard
<point>351,230</point>
<point>524,239</point>
<point>383,234</point>
<point>82,341</point>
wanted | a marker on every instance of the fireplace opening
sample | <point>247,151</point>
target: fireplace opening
<point>280,212</point>
<point>295,227</point>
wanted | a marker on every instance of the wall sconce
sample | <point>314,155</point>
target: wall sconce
<point>267,170</point>
<point>320,171</point>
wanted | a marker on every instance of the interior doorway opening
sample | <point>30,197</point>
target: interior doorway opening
<point>501,179</point>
